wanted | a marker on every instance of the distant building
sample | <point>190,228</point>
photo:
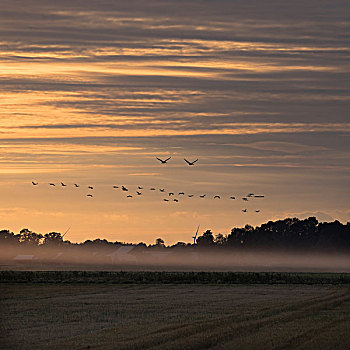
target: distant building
<point>122,254</point>
<point>159,255</point>
<point>24,258</point>
<point>57,256</point>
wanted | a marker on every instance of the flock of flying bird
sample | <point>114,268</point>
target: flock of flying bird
<point>166,160</point>
<point>162,190</point>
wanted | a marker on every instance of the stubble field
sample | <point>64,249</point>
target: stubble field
<point>174,316</point>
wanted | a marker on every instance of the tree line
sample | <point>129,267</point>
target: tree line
<point>288,234</point>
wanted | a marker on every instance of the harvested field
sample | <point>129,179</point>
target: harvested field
<point>174,316</point>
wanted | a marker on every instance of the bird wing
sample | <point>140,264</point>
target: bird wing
<point>167,159</point>
<point>187,161</point>
<point>194,161</point>
<point>160,159</point>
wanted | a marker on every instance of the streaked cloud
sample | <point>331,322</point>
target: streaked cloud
<point>259,91</point>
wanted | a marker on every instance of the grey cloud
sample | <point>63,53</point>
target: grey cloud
<point>311,34</point>
<point>284,147</point>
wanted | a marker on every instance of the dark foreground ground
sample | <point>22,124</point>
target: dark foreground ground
<point>107,315</point>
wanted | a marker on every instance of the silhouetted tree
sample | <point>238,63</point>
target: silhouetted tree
<point>287,234</point>
<point>160,242</point>
<point>7,237</point>
<point>30,238</point>
<point>206,240</point>
<point>236,238</point>
<point>334,236</point>
<point>53,239</point>
<point>220,239</point>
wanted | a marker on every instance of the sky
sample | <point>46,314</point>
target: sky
<point>92,91</point>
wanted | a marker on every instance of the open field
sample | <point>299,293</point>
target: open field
<point>174,316</point>
<point>173,277</point>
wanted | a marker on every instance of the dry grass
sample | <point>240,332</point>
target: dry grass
<point>47,316</point>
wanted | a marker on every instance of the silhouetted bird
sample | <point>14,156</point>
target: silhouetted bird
<point>62,184</point>
<point>152,189</point>
<point>139,193</point>
<point>202,195</point>
<point>163,161</point>
<point>51,184</point>
<point>161,189</point>
<point>124,188</point>
<point>181,193</point>
<point>257,211</point>
<point>89,195</point>
<point>176,200</point>
<point>129,196</point>
<point>245,199</point>
<point>232,197</point>
<point>250,195</point>
<point>140,188</point>
<point>91,188</point>
<point>171,193</point>
<point>34,183</point>
<point>259,196</point>
<point>115,186</point>
<point>244,210</point>
<point>217,197</point>
<point>166,200</point>
<point>76,185</point>
<point>190,163</point>
<point>190,195</point>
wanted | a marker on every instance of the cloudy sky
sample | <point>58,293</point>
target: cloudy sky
<point>91,91</point>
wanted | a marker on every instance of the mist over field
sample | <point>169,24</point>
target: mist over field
<point>195,260</point>
<point>284,245</point>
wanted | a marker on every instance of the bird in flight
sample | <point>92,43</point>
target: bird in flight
<point>91,188</point>
<point>250,195</point>
<point>34,183</point>
<point>129,196</point>
<point>176,200</point>
<point>89,195</point>
<point>140,188</point>
<point>217,197</point>
<point>76,185</point>
<point>51,184</point>
<point>138,193</point>
<point>190,163</point>
<point>63,185</point>
<point>171,193</point>
<point>259,196</point>
<point>244,210</point>
<point>152,189</point>
<point>166,200</point>
<point>163,161</point>
<point>190,195</point>
<point>161,189</point>
<point>181,193</point>
<point>124,188</point>
<point>115,186</point>
<point>232,197</point>
<point>257,211</point>
<point>245,199</point>
<point>202,195</point>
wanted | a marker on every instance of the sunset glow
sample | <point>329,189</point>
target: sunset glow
<point>92,92</point>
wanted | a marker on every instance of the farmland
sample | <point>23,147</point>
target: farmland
<point>102,314</point>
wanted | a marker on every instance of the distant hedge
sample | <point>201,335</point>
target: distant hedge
<point>146,277</point>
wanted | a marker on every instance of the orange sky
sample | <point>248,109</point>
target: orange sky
<point>91,93</point>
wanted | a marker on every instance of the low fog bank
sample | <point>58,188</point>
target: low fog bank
<point>130,258</point>
<point>284,245</point>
